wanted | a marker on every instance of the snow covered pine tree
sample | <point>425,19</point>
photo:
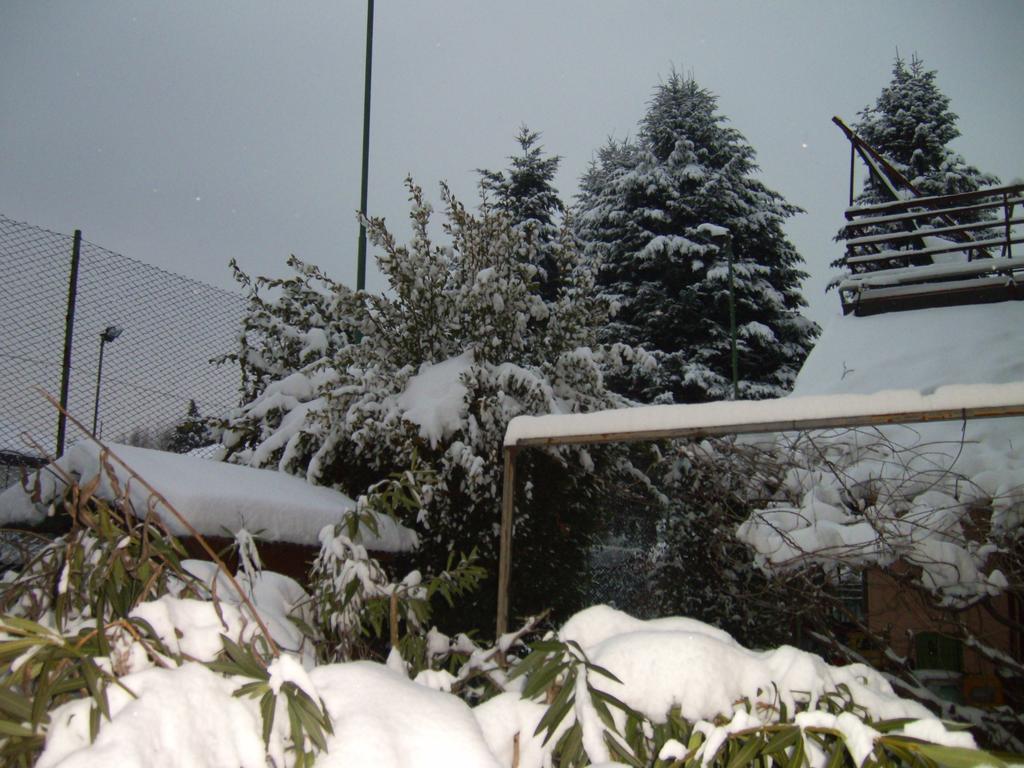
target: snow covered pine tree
<point>640,211</point>
<point>527,195</point>
<point>911,125</point>
<point>348,387</point>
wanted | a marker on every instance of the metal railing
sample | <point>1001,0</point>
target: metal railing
<point>931,251</point>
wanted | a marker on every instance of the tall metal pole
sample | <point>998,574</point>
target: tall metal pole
<point>99,376</point>
<point>361,257</point>
<point>732,325</point>
<point>69,332</point>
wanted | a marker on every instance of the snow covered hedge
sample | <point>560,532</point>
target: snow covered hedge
<point>117,651</point>
<point>345,387</point>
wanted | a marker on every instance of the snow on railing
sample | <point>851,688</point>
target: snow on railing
<point>918,250</point>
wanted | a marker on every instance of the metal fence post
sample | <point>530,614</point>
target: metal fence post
<point>69,331</point>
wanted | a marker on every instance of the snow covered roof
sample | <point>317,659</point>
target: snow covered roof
<point>922,349</point>
<point>216,498</point>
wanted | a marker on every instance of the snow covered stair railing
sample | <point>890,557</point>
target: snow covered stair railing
<point>215,497</point>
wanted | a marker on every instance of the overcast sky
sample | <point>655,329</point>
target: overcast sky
<point>185,133</point>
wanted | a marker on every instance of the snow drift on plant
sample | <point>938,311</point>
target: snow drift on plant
<point>907,493</point>
<point>187,715</point>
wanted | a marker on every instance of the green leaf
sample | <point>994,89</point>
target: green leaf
<point>267,708</point>
<point>542,678</point>
<point>41,700</point>
<point>619,752</point>
<point>614,701</point>
<point>835,758</point>
<point>7,728</point>
<point>797,759</point>
<point>949,757</point>
<point>782,740</point>
<point>548,646</point>
<point>15,705</point>
<point>246,663</point>
<point>884,726</point>
<point>527,665</point>
<point>570,747</point>
<point>602,711</point>
<point>747,753</point>
<point>91,674</point>
<point>559,708</point>
<point>311,724</point>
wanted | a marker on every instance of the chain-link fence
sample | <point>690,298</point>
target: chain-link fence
<point>170,326</point>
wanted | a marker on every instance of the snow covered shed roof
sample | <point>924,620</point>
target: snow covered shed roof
<point>213,496</point>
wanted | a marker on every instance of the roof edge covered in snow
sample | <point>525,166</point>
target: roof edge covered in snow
<point>972,401</point>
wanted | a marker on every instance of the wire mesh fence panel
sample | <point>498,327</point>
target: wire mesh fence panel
<point>34,264</point>
<point>171,327</point>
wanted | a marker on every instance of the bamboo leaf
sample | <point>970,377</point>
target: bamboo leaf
<point>541,679</point>
<point>784,739</point>
<point>7,728</point>
<point>570,746</point>
<point>948,757</point>
<point>15,705</point>
<point>268,705</point>
<point>619,752</point>
<point>747,752</point>
<point>557,711</point>
<point>527,665</point>
<point>835,758</point>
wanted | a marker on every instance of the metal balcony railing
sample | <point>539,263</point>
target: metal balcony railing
<point>934,251</point>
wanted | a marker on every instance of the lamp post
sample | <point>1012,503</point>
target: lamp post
<point>361,253</point>
<point>110,333</point>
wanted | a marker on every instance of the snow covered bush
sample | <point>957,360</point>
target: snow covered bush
<point>106,625</point>
<point>936,522</point>
<point>678,692</point>
<point>346,388</point>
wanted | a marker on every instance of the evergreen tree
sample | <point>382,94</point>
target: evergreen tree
<point>526,194</point>
<point>193,432</point>
<point>642,212</point>
<point>911,125</point>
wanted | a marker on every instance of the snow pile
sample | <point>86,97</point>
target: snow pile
<point>919,493</point>
<point>161,718</point>
<point>434,399</point>
<point>383,719</point>
<point>684,663</point>
<point>188,715</point>
<point>277,598</point>
<point>216,499</point>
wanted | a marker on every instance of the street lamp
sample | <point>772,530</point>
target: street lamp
<point>110,333</point>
